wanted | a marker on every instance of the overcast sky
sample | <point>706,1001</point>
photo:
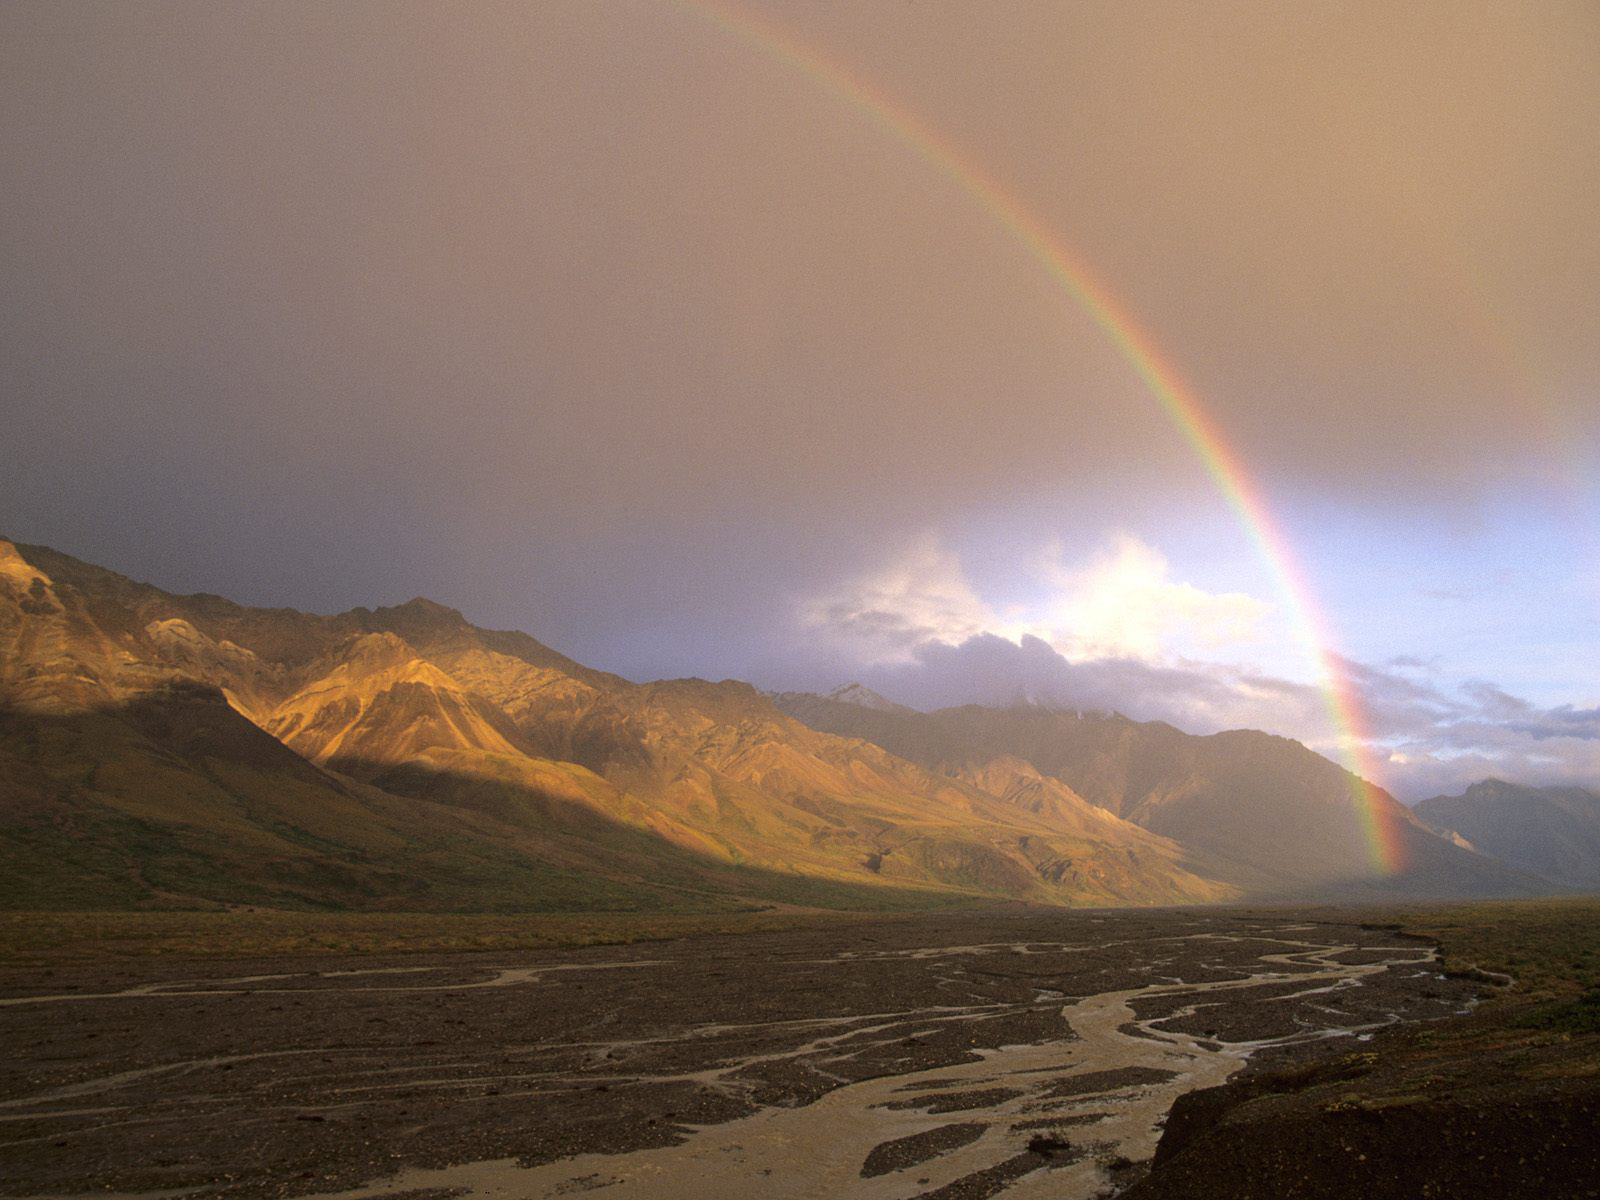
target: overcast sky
<point>612,323</point>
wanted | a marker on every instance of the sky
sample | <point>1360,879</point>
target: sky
<point>808,342</point>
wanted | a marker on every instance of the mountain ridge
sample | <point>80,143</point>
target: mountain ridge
<point>1222,796</point>
<point>1554,831</point>
<point>434,762</point>
<point>413,703</point>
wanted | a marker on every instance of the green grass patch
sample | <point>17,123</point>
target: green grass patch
<point>1565,1016</point>
<point>1549,948</point>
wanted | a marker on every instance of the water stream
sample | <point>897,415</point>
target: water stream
<point>818,1150</point>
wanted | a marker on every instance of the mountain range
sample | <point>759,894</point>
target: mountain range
<point>1262,813</point>
<point>166,750</point>
<point>1551,831</point>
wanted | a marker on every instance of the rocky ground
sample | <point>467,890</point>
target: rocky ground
<point>950,1056</point>
<point>1502,1102</point>
<point>1470,1111</point>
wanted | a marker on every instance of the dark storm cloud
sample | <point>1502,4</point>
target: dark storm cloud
<point>599,322</point>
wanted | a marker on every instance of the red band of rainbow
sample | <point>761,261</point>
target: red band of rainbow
<point>1378,816</point>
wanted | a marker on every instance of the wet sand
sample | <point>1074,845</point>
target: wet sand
<point>951,1056</point>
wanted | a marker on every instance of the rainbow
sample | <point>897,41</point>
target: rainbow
<point>1379,818</point>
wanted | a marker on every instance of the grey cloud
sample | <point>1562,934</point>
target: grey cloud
<point>1445,739</point>
<point>1411,662</point>
<point>882,628</point>
<point>1563,722</point>
<point>1492,700</point>
<point>993,670</point>
<point>1450,739</point>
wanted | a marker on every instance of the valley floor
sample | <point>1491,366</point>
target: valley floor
<point>953,1055</point>
<point>1501,1102</point>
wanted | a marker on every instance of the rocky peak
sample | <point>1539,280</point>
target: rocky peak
<point>418,621</point>
<point>421,608</point>
<point>864,697</point>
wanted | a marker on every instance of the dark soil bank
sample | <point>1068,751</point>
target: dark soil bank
<point>1479,1107</point>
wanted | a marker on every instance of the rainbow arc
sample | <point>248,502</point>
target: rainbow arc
<point>1379,819</point>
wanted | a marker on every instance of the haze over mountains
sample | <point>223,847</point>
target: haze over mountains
<point>1261,812</point>
<point>1552,831</point>
<point>170,750</point>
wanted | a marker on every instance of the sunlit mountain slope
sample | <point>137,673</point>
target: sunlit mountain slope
<point>168,749</point>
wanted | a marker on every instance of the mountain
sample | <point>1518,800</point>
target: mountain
<point>158,749</point>
<point>1261,813</point>
<point>1552,831</point>
<point>865,697</point>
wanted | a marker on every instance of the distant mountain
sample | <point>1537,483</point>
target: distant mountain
<point>1262,813</point>
<point>1553,831</point>
<point>158,749</point>
<point>864,697</point>
<point>797,704</point>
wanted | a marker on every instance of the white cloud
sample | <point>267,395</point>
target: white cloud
<point>923,596</point>
<point>1117,632</point>
<point>1121,604</point>
<point>1124,604</point>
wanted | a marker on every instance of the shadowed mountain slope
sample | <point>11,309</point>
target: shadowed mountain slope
<point>1554,831</point>
<point>1261,812</point>
<point>166,749</point>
